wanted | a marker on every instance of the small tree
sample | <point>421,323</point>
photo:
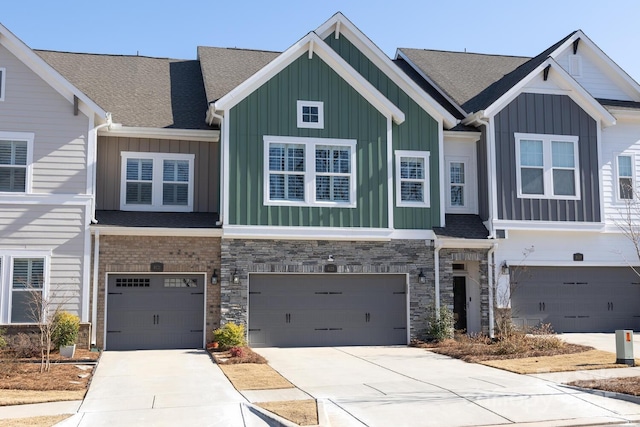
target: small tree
<point>629,221</point>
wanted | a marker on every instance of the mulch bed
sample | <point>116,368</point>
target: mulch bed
<point>224,357</point>
<point>630,385</point>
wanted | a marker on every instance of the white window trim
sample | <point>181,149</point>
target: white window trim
<point>3,79</point>
<point>616,175</point>
<point>310,125</point>
<point>28,137</point>
<point>157,180</point>
<point>310,145</point>
<point>426,155</point>
<point>547,163</point>
<point>6,279</point>
<point>467,204</point>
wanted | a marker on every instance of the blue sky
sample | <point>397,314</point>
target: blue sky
<point>174,29</point>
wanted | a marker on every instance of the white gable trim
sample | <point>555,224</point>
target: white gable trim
<point>312,44</point>
<point>341,25</point>
<point>562,78</point>
<point>48,73</point>
<point>632,85</point>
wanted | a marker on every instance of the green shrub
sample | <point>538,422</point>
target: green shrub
<point>65,329</point>
<point>3,339</point>
<point>440,324</point>
<point>230,335</point>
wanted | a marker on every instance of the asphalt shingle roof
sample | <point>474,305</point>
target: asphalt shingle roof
<point>139,91</point>
<point>475,80</point>
<point>157,219</point>
<point>225,68</point>
<point>462,226</point>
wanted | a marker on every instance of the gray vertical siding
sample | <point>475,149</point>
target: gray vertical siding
<point>206,168</point>
<point>483,176</point>
<point>546,114</point>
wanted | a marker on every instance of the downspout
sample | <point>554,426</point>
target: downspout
<point>94,305</point>
<point>436,269</point>
<point>108,125</point>
<point>214,115</point>
<point>489,137</point>
<point>490,267</point>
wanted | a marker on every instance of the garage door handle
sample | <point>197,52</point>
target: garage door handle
<point>287,318</point>
<point>367,317</point>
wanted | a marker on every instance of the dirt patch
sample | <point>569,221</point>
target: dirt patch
<point>252,376</point>
<point>630,385</point>
<point>22,382</point>
<point>301,412</point>
<point>44,421</point>
<point>591,359</point>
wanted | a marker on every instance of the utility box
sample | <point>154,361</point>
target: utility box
<point>624,347</point>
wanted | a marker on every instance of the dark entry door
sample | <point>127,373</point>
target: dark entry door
<point>460,303</point>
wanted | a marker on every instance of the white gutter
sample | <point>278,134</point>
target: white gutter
<point>94,305</point>
<point>109,125</point>
<point>211,114</point>
<point>490,268</point>
<point>436,269</point>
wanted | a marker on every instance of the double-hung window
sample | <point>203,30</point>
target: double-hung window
<point>309,171</point>
<point>157,182</point>
<point>15,161</point>
<point>412,178</point>
<point>27,289</point>
<point>547,166</point>
<point>626,181</point>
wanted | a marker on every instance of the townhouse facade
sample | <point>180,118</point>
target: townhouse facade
<point>325,195</point>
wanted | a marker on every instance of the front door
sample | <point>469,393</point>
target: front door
<point>460,303</point>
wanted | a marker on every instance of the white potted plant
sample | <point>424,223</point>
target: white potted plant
<point>65,333</point>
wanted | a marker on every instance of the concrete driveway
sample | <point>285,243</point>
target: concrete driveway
<point>400,386</point>
<point>160,388</point>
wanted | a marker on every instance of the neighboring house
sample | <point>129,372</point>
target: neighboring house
<point>332,187</point>
<point>48,132</point>
<point>156,246</point>
<point>556,160</point>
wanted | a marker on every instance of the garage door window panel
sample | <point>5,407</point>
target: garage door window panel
<point>157,182</point>
<point>309,172</point>
<point>547,166</point>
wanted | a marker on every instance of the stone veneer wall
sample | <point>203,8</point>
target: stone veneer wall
<point>310,256</point>
<point>448,257</point>
<point>134,254</point>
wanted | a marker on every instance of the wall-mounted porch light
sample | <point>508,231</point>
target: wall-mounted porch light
<point>214,277</point>
<point>421,277</point>
<point>504,267</point>
<point>235,279</point>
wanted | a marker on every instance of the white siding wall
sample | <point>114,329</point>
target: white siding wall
<point>60,142</point>
<point>598,83</point>
<point>58,230</point>
<point>623,138</point>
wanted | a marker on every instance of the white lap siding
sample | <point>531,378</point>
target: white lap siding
<point>55,231</point>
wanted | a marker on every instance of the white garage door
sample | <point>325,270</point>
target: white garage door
<point>586,299</point>
<point>327,310</point>
<point>155,312</point>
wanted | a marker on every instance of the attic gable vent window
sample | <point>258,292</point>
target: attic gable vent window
<point>575,66</point>
<point>310,114</point>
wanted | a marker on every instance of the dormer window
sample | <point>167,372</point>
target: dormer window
<point>311,114</point>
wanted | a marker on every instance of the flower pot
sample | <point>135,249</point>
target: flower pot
<point>67,350</point>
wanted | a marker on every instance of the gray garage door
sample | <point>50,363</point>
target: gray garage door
<point>155,312</point>
<point>327,310</point>
<point>587,299</point>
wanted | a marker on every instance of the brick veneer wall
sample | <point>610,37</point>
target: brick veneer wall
<point>83,341</point>
<point>305,256</point>
<point>134,254</point>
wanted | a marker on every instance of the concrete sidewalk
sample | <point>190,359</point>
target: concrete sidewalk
<point>400,386</point>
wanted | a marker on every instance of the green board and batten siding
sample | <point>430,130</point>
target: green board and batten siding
<point>418,132</point>
<point>271,110</point>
